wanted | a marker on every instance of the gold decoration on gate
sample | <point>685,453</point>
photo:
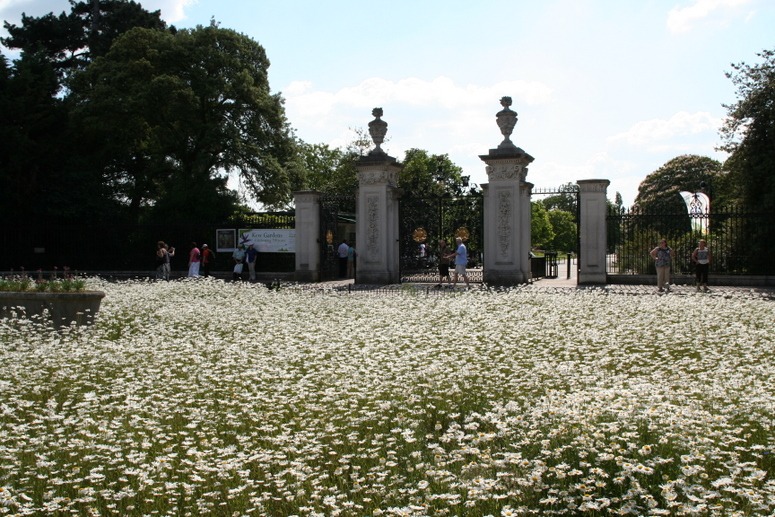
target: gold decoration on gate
<point>462,232</point>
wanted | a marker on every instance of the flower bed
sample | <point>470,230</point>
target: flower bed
<point>209,398</point>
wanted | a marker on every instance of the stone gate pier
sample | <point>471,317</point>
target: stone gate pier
<point>506,207</point>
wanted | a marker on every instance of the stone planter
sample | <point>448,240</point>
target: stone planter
<point>63,307</point>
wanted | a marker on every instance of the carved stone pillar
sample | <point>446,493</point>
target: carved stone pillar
<point>307,235</point>
<point>592,231</point>
<point>506,208</point>
<point>377,219</point>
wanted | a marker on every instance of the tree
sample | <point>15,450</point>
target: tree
<point>660,191</point>
<point>541,232</point>
<point>327,170</point>
<point>564,228</point>
<point>173,113</point>
<point>430,175</point>
<point>70,41</point>
<point>567,200</point>
<point>749,134</point>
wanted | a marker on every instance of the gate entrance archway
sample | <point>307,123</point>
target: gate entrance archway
<point>424,221</point>
<point>337,223</point>
<point>566,229</point>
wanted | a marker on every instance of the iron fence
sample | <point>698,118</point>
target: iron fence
<point>128,247</point>
<point>741,242</point>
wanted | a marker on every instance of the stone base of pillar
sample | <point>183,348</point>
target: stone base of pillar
<point>589,278</point>
<point>504,278</point>
<point>305,275</point>
<point>376,278</point>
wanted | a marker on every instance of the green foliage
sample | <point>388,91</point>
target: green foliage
<point>55,285</point>
<point>566,201</point>
<point>185,109</point>
<point>110,116</point>
<point>70,41</point>
<point>430,175</point>
<point>749,133</point>
<point>541,231</point>
<point>564,228</point>
<point>327,170</point>
<point>660,191</point>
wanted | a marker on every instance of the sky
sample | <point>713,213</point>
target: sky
<point>604,89</point>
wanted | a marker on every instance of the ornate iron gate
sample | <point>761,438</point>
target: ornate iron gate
<point>569,198</point>
<point>424,221</point>
<point>337,223</point>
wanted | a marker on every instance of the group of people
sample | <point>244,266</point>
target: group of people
<point>447,257</point>
<point>244,255</point>
<point>663,260</point>
<point>346,255</point>
<point>199,260</point>
<point>164,252</point>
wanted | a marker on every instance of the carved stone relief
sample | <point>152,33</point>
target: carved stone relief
<point>504,222</point>
<point>373,251</point>
<point>378,176</point>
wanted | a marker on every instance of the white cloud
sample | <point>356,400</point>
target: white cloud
<point>664,134</point>
<point>682,19</point>
<point>171,10</point>
<point>441,92</point>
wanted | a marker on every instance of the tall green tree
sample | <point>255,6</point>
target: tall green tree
<point>173,113</point>
<point>541,232</point>
<point>749,133</point>
<point>328,170</point>
<point>567,200</point>
<point>660,191</point>
<point>424,174</point>
<point>563,225</point>
<point>33,128</point>
<point>70,41</point>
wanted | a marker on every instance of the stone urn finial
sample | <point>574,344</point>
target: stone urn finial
<point>506,119</point>
<point>377,130</point>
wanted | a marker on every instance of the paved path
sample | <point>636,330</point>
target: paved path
<point>560,284</point>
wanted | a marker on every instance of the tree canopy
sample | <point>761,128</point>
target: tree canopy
<point>660,190</point>
<point>121,114</point>
<point>70,41</point>
<point>749,133</point>
<point>186,108</point>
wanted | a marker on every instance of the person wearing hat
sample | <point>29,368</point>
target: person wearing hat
<point>208,257</point>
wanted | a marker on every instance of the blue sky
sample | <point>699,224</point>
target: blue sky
<point>607,89</point>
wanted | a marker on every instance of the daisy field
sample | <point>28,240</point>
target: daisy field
<point>212,398</point>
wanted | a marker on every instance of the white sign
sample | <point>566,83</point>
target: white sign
<point>269,240</point>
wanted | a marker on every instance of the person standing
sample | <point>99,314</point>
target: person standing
<point>351,262</point>
<point>194,258</point>
<point>701,259</point>
<point>342,252</point>
<point>167,266</point>
<point>161,259</point>
<point>444,254</point>
<point>461,261</point>
<point>239,258</point>
<point>663,260</point>
<point>251,255</point>
<point>208,257</point>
